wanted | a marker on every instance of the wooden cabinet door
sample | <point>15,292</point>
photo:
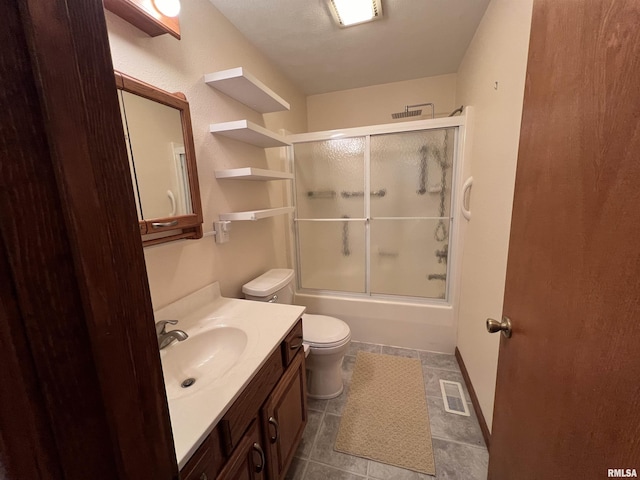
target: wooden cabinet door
<point>207,462</point>
<point>284,416</point>
<point>200,468</point>
<point>248,461</point>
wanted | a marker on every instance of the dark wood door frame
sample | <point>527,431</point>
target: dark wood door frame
<point>82,391</point>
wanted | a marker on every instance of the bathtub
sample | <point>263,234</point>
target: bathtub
<point>402,321</point>
<point>423,325</point>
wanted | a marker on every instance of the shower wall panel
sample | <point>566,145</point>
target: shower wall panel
<point>409,167</point>
<point>331,243</point>
<point>328,262</point>
<point>326,173</point>
<point>403,257</point>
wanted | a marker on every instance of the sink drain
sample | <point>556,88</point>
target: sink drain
<point>188,382</point>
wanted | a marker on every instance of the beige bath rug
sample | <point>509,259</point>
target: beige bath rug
<point>386,417</point>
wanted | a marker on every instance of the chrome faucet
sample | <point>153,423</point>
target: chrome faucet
<point>443,254</point>
<point>165,338</point>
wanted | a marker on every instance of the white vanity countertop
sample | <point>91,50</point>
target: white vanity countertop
<point>194,415</point>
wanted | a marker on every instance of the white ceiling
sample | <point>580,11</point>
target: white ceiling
<point>414,38</point>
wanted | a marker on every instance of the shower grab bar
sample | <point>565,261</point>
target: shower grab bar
<point>465,207</point>
<point>172,199</point>
<point>344,194</point>
<point>321,194</point>
<point>422,187</point>
<point>377,193</point>
<point>346,251</point>
<point>410,218</point>
<point>437,276</point>
<point>343,219</point>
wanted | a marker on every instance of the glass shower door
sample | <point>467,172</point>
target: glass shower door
<point>330,221</point>
<point>410,224</point>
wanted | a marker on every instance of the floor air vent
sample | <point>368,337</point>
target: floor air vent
<point>454,399</point>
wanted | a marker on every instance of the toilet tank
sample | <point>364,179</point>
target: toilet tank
<point>274,286</point>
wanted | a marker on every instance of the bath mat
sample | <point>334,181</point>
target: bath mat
<point>386,417</point>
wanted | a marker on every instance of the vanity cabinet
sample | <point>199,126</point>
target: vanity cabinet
<point>259,434</point>
<point>206,463</point>
<point>248,461</point>
<point>284,416</point>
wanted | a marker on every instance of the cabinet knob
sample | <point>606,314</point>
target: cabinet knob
<point>276,427</point>
<point>260,466</point>
<point>204,476</point>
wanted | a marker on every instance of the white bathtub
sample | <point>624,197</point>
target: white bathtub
<point>403,323</point>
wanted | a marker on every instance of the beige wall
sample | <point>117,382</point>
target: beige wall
<point>210,43</point>
<point>498,53</point>
<point>374,105</point>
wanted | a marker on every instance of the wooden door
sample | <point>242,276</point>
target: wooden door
<point>284,416</point>
<point>568,389</point>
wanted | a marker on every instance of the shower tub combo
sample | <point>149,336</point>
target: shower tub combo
<point>377,233</point>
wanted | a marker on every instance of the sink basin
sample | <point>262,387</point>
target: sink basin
<point>201,359</point>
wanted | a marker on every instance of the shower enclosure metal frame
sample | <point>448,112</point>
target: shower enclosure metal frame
<point>455,223</point>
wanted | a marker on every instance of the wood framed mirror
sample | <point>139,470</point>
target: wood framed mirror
<point>159,138</point>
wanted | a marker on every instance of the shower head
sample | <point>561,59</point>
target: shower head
<point>457,110</point>
<point>407,113</point>
<point>413,113</point>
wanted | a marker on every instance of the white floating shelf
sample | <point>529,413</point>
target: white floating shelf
<point>250,173</point>
<point>248,132</point>
<point>256,214</point>
<point>244,87</point>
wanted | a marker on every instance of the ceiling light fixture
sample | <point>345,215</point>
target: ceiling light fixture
<point>353,12</point>
<point>168,8</point>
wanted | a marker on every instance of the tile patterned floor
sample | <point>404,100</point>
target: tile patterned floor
<point>459,448</point>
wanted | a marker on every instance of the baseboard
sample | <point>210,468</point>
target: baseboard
<point>474,399</point>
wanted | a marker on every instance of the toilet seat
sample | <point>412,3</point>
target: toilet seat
<point>321,331</point>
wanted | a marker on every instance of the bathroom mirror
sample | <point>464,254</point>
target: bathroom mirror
<point>159,139</point>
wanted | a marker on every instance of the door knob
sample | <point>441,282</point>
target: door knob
<point>504,326</point>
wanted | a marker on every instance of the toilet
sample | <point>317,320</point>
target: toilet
<point>326,339</point>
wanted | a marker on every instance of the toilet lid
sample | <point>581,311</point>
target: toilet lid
<point>323,331</point>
